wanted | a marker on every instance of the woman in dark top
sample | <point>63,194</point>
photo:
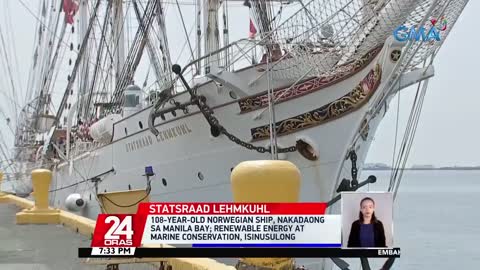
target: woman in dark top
<point>367,231</point>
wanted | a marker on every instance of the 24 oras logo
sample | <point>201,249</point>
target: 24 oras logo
<point>431,32</point>
<point>113,230</point>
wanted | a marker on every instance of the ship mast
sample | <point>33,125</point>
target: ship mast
<point>212,32</point>
<point>84,66</point>
<point>135,51</point>
<point>198,22</point>
<point>118,37</point>
<point>157,38</point>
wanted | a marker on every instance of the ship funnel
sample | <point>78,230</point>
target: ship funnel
<point>132,100</point>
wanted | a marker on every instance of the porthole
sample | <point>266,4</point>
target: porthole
<point>140,124</point>
<point>174,113</point>
<point>164,181</point>
<point>395,55</point>
<point>306,150</point>
<point>126,133</point>
<point>233,95</point>
<point>200,176</point>
<point>162,116</point>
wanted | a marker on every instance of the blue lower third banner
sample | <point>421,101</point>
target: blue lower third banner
<point>266,245</point>
<point>252,252</point>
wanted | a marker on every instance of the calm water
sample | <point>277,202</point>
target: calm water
<point>436,219</point>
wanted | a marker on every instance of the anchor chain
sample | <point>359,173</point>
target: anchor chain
<point>208,113</point>
<point>215,128</point>
<point>353,159</point>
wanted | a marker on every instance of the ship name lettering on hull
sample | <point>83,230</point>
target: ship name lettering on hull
<point>164,135</point>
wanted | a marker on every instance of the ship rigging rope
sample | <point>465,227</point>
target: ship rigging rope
<point>185,30</point>
<point>52,69</point>
<point>158,69</point>
<point>65,44</point>
<point>69,186</point>
<point>135,51</point>
<point>99,57</point>
<point>8,68</point>
<point>116,43</point>
<point>46,73</point>
<point>73,75</point>
<point>397,171</point>
<point>8,22</point>
<point>84,180</point>
<point>396,133</point>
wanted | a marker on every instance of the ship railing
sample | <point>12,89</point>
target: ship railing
<point>81,147</point>
<point>322,36</point>
<point>232,57</point>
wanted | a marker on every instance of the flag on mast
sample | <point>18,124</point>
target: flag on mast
<point>70,7</point>
<point>253,30</point>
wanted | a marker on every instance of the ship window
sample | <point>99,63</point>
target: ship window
<point>140,124</point>
<point>200,176</point>
<point>131,100</point>
<point>233,95</point>
<point>126,133</point>
<point>164,181</point>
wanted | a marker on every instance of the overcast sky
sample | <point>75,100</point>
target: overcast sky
<point>449,130</point>
<point>448,133</point>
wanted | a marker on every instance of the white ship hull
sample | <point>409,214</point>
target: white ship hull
<point>180,157</point>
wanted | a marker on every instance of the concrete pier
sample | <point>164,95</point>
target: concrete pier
<point>38,247</point>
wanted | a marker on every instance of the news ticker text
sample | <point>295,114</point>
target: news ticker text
<point>141,252</point>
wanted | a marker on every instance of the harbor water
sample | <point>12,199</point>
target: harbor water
<point>436,219</point>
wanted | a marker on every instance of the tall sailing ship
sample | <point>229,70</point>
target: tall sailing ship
<point>310,84</point>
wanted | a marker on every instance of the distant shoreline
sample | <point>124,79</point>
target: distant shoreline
<point>429,169</point>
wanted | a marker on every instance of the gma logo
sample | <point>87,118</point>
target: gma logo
<point>403,33</point>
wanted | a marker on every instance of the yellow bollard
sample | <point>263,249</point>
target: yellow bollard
<point>1,178</point>
<point>266,181</point>
<point>3,196</point>
<point>40,213</point>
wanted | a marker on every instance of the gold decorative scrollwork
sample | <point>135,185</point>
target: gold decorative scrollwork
<point>310,85</point>
<point>328,112</point>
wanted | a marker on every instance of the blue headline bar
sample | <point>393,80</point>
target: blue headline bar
<point>268,245</point>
